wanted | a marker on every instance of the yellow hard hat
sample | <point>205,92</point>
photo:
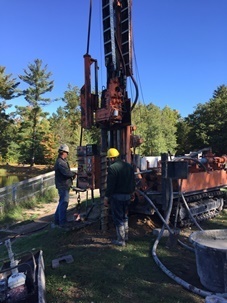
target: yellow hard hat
<point>112,153</point>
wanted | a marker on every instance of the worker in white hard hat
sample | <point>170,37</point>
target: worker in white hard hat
<point>120,187</point>
<point>63,181</point>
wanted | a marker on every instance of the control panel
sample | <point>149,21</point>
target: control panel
<point>88,167</point>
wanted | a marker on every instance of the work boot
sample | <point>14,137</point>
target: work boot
<point>54,225</point>
<point>120,236</point>
<point>126,230</point>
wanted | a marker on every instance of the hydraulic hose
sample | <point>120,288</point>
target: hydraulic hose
<point>177,279</point>
<point>137,92</point>
<point>131,76</point>
<point>157,211</point>
<point>190,214</point>
<point>89,26</point>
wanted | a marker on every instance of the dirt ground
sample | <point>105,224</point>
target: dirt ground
<point>92,235</point>
<point>42,217</point>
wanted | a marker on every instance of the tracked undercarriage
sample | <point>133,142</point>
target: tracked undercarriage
<point>195,184</point>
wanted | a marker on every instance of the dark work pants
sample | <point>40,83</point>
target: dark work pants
<point>119,208</point>
<point>60,216</point>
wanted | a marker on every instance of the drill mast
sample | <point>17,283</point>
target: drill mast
<point>112,114</point>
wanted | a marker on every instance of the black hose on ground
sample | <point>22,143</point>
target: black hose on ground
<point>177,279</point>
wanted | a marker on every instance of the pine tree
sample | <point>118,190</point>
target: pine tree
<point>39,83</point>
<point>8,91</point>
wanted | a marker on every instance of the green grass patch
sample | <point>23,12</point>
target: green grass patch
<point>106,275</point>
<point>15,212</point>
<point>3,172</point>
<point>103,273</point>
<point>219,222</point>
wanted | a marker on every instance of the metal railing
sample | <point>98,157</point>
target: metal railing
<point>23,190</point>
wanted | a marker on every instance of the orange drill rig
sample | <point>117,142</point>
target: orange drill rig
<point>112,112</point>
<point>196,183</point>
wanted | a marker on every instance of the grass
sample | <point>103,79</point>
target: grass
<point>3,172</point>
<point>15,212</point>
<point>102,273</point>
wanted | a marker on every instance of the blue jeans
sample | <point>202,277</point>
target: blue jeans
<point>119,208</point>
<point>60,216</point>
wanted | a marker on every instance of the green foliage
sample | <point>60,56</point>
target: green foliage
<point>8,85</point>
<point>11,214</point>
<point>157,128</point>
<point>207,126</point>
<point>66,124</point>
<point>3,172</point>
<point>183,145</point>
<point>72,106</point>
<point>8,180</point>
<point>30,136</point>
<point>8,91</point>
<point>72,118</point>
<point>6,127</point>
<point>92,136</point>
<point>31,131</point>
<point>59,126</point>
<point>15,212</point>
<point>48,195</point>
<point>38,82</point>
<point>13,154</point>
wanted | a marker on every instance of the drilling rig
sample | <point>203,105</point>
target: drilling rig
<point>112,112</point>
<point>196,183</point>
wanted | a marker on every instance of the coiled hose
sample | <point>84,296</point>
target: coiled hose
<point>178,280</point>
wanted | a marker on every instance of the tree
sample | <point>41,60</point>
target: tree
<point>8,86</point>
<point>39,83</point>
<point>47,143</point>
<point>8,91</point>
<point>157,128</point>
<point>182,134</point>
<point>5,130</point>
<point>169,120</point>
<point>208,125</point>
<point>220,92</point>
<point>65,123</point>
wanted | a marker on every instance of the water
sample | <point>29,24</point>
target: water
<point>218,243</point>
<point>214,239</point>
<point>210,251</point>
<point>9,180</point>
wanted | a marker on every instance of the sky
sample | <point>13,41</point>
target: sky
<point>180,47</point>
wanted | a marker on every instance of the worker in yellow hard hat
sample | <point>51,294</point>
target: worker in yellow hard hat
<point>112,153</point>
<point>120,187</point>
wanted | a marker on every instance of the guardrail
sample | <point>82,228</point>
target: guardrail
<point>17,192</point>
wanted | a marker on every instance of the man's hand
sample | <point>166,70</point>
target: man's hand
<point>105,202</point>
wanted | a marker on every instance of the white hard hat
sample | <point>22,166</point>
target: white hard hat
<point>64,147</point>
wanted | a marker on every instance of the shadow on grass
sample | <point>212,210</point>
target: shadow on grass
<point>102,273</point>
